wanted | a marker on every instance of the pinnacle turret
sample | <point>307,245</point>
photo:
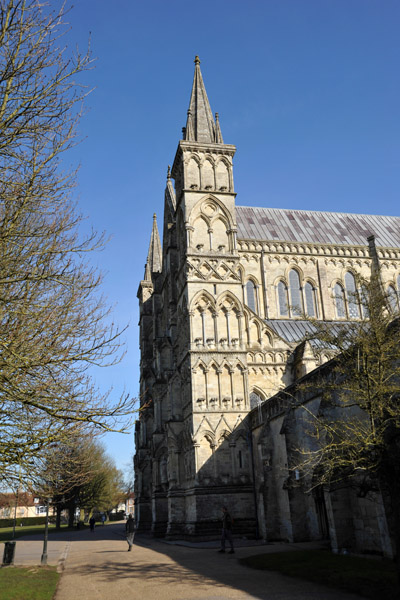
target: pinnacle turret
<point>154,256</point>
<point>200,124</point>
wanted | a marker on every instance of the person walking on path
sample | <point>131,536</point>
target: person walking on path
<point>130,531</point>
<point>92,522</point>
<point>226,530</point>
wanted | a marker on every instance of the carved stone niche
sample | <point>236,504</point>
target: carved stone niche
<point>239,402</point>
<point>213,402</point>
<point>211,342</point>
<point>201,402</point>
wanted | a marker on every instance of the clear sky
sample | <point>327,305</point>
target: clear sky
<point>307,90</point>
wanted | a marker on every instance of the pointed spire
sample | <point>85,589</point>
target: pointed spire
<point>154,256</point>
<point>200,126</point>
<point>170,193</point>
<point>218,134</point>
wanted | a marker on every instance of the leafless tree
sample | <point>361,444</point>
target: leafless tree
<point>54,325</point>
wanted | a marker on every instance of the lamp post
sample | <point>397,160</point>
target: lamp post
<point>15,514</point>
<point>43,560</point>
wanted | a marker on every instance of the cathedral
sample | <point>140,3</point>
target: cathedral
<point>222,334</point>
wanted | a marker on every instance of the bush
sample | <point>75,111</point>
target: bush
<point>26,521</point>
<point>117,516</point>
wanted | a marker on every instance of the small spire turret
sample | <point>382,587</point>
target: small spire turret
<point>154,256</point>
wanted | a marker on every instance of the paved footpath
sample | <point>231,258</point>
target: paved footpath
<point>96,566</point>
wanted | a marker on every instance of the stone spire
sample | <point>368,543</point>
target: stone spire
<point>154,256</point>
<point>200,125</point>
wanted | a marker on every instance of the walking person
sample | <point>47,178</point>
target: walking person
<point>227,523</point>
<point>130,531</point>
<point>92,522</point>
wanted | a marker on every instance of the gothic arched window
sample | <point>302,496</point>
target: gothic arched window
<point>311,305</point>
<point>392,297</point>
<point>251,296</point>
<point>283,299</point>
<point>353,307</point>
<point>339,301</point>
<point>255,400</point>
<point>296,304</point>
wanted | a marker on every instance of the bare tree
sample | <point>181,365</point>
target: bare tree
<point>354,428</point>
<point>53,324</point>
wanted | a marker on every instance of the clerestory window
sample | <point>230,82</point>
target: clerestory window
<point>339,301</point>
<point>283,299</point>
<point>251,296</point>
<point>296,303</point>
<point>353,306</point>
<point>310,298</point>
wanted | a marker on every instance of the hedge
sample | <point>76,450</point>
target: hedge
<point>117,516</point>
<point>26,521</point>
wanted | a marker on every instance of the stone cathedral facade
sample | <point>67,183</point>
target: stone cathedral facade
<point>220,336</point>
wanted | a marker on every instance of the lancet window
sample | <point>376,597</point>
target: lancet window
<point>339,301</point>
<point>283,299</point>
<point>347,298</point>
<point>296,302</point>
<point>251,296</point>
<point>310,300</point>
<point>392,298</point>
<point>353,306</point>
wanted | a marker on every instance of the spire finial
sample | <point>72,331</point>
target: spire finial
<point>196,60</point>
<point>154,217</point>
<point>169,172</point>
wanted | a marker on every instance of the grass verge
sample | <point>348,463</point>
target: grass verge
<point>6,532</point>
<point>368,577</point>
<point>31,583</point>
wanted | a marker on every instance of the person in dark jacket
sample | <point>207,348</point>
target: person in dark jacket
<point>226,530</point>
<point>130,531</point>
<point>92,522</point>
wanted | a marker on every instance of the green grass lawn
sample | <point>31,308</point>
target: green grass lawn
<point>6,532</point>
<point>30,583</point>
<point>368,577</point>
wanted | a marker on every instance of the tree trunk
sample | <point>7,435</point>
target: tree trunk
<point>71,514</point>
<point>58,516</point>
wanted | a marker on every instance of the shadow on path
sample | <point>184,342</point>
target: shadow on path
<point>156,565</point>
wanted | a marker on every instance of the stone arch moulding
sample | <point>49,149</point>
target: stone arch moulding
<point>294,267</point>
<point>210,199</point>
<point>227,296</point>
<point>202,295</point>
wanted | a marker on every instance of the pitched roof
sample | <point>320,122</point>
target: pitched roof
<point>297,330</point>
<point>318,227</point>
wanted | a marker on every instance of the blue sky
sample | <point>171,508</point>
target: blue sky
<point>308,91</point>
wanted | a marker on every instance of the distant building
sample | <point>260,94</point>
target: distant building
<point>25,503</point>
<point>220,325</point>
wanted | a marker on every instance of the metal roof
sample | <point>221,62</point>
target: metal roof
<point>268,224</point>
<point>296,330</point>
